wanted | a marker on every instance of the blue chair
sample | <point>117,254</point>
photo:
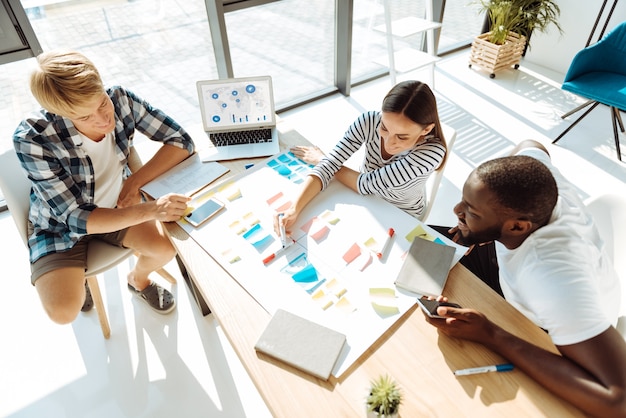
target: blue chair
<point>598,73</point>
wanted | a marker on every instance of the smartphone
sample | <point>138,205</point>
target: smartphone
<point>429,306</point>
<point>204,212</point>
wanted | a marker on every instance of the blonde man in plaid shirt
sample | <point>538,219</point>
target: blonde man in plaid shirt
<point>75,152</point>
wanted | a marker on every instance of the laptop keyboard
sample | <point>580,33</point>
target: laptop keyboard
<point>255,136</point>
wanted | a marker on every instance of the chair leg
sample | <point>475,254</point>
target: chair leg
<point>571,112</point>
<point>166,275</point>
<point>575,122</point>
<point>99,305</point>
<point>615,118</point>
<point>618,116</point>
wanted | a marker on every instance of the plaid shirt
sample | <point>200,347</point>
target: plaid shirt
<point>62,193</point>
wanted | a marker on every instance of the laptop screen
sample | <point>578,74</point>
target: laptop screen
<point>235,104</point>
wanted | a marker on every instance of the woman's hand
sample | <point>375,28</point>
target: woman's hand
<point>288,218</point>
<point>310,155</point>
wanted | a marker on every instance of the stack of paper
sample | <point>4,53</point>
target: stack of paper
<point>186,178</point>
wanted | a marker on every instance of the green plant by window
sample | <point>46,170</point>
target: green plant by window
<point>385,396</point>
<point>520,16</point>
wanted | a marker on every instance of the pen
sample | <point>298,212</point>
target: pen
<point>506,367</point>
<point>272,256</point>
<point>283,234</point>
<point>390,235</point>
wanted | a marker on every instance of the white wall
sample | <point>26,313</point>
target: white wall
<point>555,51</point>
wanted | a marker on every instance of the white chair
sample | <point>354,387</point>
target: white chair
<point>434,181</point>
<point>100,256</point>
<point>609,214</point>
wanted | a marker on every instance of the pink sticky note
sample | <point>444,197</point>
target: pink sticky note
<point>352,253</point>
<point>307,226</point>
<point>274,198</point>
<point>320,233</point>
<point>283,207</point>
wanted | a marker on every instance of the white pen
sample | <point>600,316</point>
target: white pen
<point>283,234</point>
<point>506,367</point>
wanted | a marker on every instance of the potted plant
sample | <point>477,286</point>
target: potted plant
<point>384,398</point>
<point>511,22</point>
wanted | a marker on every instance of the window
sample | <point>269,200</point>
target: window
<point>17,39</point>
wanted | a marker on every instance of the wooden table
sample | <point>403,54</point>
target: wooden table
<point>412,351</point>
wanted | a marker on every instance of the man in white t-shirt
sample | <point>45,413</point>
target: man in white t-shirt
<point>75,151</point>
<point>552,267</point>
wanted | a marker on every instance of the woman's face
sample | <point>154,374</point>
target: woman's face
<point>399,133</point>
<point>96,118</point>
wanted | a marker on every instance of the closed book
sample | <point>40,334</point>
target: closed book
<point>301,343</point>
<point>425,268</point>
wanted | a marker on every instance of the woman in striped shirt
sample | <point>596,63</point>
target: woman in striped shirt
<point>403,142</point>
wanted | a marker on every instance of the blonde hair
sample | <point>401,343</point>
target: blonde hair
<point>65,81</point>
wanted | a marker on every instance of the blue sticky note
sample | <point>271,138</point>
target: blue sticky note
<point>307,275</point>
<point>284,158</point>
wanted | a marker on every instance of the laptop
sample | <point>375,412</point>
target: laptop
<point>239,118</point>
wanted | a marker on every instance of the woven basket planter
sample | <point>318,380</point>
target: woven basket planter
<point>492,57</point>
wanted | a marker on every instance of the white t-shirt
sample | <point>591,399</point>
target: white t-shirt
<point>107,168</point>
<point>560,277</point>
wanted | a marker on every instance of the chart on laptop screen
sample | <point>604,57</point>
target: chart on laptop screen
<point>237,103</point>
<point>331,274</point>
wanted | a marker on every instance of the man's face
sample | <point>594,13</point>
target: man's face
<point>478,220</point>
<point>96,118</point>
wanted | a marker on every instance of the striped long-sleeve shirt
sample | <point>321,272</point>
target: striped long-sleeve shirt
<point>399,180</point>
<point>50,150</point>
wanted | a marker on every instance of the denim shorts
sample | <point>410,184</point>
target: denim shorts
<point>75,256</point>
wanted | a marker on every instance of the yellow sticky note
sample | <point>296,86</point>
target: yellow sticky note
<point>237,227</point>
<point>345,306</point>
<point>322,299</point>
<point>330,217</point>
<point>420,232</point>
<point>336,288</point>
<point>231,191</point>
<point>251,219</point>
<point>371,244</point>
<point>384,300</point>
<point>230,255</point>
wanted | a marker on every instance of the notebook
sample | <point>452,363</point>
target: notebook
<point>426,267</point>
<point>301,343</point>
<point>239,117</point>
<point>187,177</point>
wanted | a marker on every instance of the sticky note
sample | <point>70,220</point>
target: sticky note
<point>283,207</point>
<point>237,227</point>
<point>345,306</point>
<point>353,252</point>
<point>330,217</point>
<point>231,191</point>
<point>384,301</point>
<point>274,198</point>
<point>322,299</point>
<point>230,255</point>
<point>420,232</point>
<point>251,219</point>
<point>336,288</point>
<point>306,275</point>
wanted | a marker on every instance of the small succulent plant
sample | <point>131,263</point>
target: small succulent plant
<point>385,396</point>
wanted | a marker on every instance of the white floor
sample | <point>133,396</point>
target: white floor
<point>182,365</point>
